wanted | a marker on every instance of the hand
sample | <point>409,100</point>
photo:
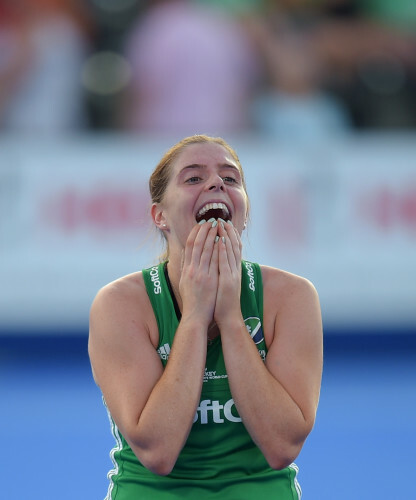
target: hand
<point>227,303</point>
<point>199,277</point>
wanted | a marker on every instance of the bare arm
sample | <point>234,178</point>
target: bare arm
<point>276,400</point>
<point>152,407</point>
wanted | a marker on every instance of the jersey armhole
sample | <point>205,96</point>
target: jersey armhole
<point>259,289</point>
<point>152,286</point>
<point>251,271</point>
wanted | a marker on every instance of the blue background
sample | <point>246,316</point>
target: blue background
<point>56,436</point>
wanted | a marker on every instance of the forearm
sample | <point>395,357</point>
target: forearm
<point>272,418</point>
<point>167,417</point>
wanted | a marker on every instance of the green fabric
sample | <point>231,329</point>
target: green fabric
<point>219,459</point>
<point>395,13</point>
<point>235,6</point>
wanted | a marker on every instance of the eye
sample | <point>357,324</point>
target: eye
<point>229,179</point>
<point>193,179</point>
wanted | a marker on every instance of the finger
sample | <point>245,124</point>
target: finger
<point>232,242</point>
<point>214,263</point>
<point>209,246</point>
<point>204,244</point>
<point>225,265</point>
<point>237,244</point>
<point>196,238</point>
<point>189,245</point>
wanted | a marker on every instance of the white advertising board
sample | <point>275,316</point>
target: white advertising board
<point>74,215</point>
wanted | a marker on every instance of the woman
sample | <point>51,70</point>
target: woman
<point>210,366</point>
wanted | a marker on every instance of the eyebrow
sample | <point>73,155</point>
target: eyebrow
<point>202,166</point>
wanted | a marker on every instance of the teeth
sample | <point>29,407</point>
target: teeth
<point>212,206</point>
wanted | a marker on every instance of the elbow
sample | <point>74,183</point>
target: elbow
<point>283,455</point>
<point>157,462</point>
<point>160,467</point>
<point>155,454</point>
<point>284,452</point>
<point>279,461</point>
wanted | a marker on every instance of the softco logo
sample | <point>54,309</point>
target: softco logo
<point>250,274</point>
<point>154,275</point>
<point>213,411</point>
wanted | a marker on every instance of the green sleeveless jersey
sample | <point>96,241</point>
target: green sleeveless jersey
<point>219,460</point>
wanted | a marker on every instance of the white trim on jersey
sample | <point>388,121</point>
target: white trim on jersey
<point>294,467</point>
<point>118,447</point>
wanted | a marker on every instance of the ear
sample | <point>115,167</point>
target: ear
<point>158,216</point>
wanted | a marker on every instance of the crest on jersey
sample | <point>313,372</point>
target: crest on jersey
<point>255,329</point>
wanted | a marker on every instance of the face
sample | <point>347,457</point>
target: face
<point>202,175</point>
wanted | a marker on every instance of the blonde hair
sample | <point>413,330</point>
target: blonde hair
<point>161,175</point>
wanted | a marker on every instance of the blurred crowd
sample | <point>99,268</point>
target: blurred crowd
<point>291,69</point>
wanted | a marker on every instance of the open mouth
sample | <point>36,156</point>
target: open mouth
<point>213,210</point>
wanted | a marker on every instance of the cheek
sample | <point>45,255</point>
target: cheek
<point>243,204</point>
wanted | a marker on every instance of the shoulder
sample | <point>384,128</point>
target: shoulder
<point>123,338</point>
<point>121,292</point>
<point>287,297</point>
<point>123,302</point>
<point>285,284</point>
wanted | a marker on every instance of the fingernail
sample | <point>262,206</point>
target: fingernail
<point>211,219</point>
<point>216,239</point>
<point>223,239</point>
<point>221,221</point>
<point>202,221</point>
<point>215,223</point>
<point>229,222</point>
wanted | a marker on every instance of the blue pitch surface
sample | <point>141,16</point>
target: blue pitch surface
<point>56,436</point>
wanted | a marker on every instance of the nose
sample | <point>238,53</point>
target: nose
<point>216,183</point>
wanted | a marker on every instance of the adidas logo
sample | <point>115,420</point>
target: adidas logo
<point>164,351</point>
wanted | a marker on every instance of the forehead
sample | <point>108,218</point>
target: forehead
<point>203,154</point>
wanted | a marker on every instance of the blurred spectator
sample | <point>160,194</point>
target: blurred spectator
<point>399,14</point>
<point>106,72</point>
<point>236,7</point>
<point>43,44</point>
<point>293,103</point>
<point>371,59</point>
<point>193,70</point>
<point>331,66</point>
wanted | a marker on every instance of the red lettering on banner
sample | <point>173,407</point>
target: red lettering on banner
<point>407,209</point>
<point>387,208</point>
<point>65,210</point>
<point>99,210</point>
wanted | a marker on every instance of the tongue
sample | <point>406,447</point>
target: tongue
<point>215,213</point>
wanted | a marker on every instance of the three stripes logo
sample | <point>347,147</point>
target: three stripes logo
<point>164,351</point>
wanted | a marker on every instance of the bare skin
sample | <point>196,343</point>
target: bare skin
<point>277,400</point>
